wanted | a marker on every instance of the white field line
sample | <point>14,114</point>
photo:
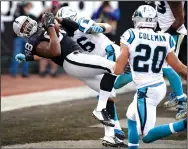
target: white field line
<point>13,102</point>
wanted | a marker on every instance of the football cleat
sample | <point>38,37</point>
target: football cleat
<point>172,101</point>
<point>103,117</point>
<point>119,134</point>
<point>113,141</point>
<point>182,110</point>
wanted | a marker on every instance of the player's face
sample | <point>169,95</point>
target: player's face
<point>27,28</point>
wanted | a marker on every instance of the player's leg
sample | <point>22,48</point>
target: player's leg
<point>124,79</point>
<point>133,135</point>
<point>113,52</point>
<point>82,65</point>
<point>174,79</point>
<point>154,95</point>
<point>142,112</point>
<point>94,83</point>
<point>25,66</point>
<point>17,48</point>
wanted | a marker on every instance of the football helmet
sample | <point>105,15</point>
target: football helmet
<point>145,17</point>
<point>67,12</point>
<point>24,26</point>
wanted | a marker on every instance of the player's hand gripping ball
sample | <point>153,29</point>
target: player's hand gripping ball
<point>54,23</point>
<point>49,19</point>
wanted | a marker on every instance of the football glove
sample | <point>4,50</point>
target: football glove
<point>20,58</point>
<point>49,20</point>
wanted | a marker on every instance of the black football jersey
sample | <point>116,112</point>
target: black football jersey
<point>67,44</point>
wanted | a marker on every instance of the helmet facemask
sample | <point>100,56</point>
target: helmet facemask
<point>28,28</point>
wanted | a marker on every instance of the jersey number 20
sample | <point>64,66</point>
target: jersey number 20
<point>146,57</point>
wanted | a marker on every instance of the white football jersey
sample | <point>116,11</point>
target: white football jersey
<point>94,44</point>
<point>147,53</point>
<point>165,15</point>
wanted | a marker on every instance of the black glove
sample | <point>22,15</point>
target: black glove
<point>49,20</point>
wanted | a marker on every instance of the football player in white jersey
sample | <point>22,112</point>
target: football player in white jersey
<point>146,51</point>
<point>91,39</point>
<point>171,20</point>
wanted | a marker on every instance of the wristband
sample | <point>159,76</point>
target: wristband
<point>104,29</point>
<point>171,31</point>
<point>29,58</point>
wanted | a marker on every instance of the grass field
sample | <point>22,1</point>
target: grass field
<point>64,121</point>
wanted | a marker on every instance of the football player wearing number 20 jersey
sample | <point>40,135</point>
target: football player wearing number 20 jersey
<point>146,51</point>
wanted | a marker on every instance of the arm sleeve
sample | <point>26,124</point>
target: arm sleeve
<point>69,25</point>
<point>85,24</point>
<point>127,37</point>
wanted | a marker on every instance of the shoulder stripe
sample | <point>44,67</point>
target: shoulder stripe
<point>132,36</point>
<point>171,41</point>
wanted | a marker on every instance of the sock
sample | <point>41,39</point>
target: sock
<point>123,80</point>
<point>182,98</point>
<point>175,82</point>
<point>133,137</point>
<point>116,120</point>
<point>165,130</point>
<point>103,98</point>
<point>108,131</point>
<point>106,86</point>
<point>110,108</point>
<point>117,125</point>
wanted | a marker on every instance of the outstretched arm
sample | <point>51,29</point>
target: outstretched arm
<point>177,65</point>
<point>107,28</point>
<point>51,49</point>
<point>178,24</point>
<point>178,12</point>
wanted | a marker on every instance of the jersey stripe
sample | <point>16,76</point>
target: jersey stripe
<point>132,36</point>
<point>172,44</point>
<point>80,27</point>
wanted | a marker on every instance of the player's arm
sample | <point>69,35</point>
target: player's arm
<point>177,65</point>
<point>173,60</point>
<point>68,24</point>
<point>49,49</point>
<point>106,27</point>
<point>125,41</point>
<point>122,59</point>
<point>178,12</point>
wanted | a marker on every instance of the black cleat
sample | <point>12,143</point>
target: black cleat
<point>103,117</point>
<point>113,142</point>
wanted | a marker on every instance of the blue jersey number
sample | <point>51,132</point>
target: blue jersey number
<point>147,56</point>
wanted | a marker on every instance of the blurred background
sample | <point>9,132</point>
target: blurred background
<point>39,102</point>
<point>117,14</point>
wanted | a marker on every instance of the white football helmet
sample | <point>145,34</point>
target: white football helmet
<point>24,26</point>
<point>145,17</point>
<point>67,12</point>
